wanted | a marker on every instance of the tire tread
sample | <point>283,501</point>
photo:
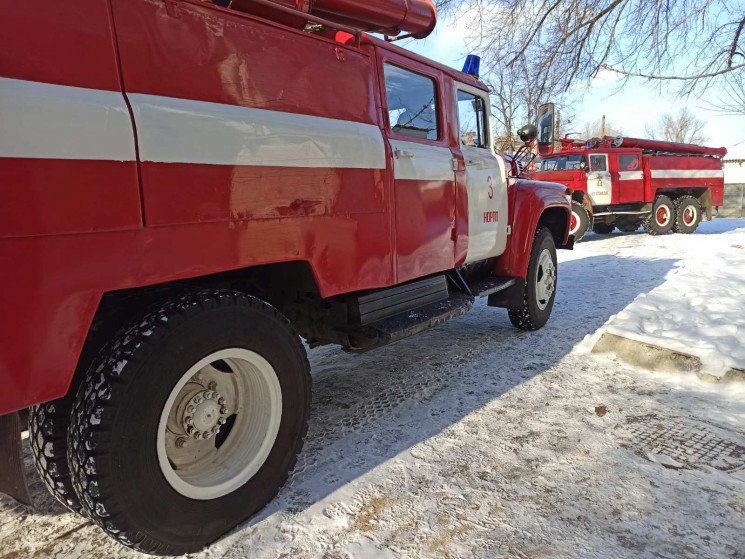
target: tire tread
<point>87,438</point>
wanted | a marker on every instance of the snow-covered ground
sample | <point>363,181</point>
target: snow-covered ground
<point>698,311</point>
<point>477,440</point>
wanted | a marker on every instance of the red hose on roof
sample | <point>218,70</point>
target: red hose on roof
<point>667,147</point>
<point>390,17</point>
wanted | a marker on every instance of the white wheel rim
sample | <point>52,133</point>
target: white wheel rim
<point>575,222</point>
<point>662,215</point>
<point>545,279</point>
<point>688,221</point>
<point>196,464</point>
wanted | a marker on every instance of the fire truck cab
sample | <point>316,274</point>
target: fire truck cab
<point>189,188</point>
<point>627,182</point>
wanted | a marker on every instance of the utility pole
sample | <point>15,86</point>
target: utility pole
<point>602,127</point>
<point>557,131</point>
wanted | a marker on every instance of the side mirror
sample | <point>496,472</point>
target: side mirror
<point>528,133</point>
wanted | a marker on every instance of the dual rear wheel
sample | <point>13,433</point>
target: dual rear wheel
<point>187,423</point>
<point>681,216</point>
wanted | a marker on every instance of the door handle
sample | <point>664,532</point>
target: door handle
<point>402,154</point>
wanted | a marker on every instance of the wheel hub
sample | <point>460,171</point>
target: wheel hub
<point>204,414</point>
<point>662,215</point>
<point>545,280</point>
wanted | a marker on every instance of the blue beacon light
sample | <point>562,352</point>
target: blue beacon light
<point>472,65</point>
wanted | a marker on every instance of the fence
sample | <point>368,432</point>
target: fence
<point>734,201</point>
<point>734,189</point>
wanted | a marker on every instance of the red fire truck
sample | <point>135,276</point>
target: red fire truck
<point>627,182</point>
<point>191,186</point>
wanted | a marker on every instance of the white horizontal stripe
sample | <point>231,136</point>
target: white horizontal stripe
<point>686,174</point>
<point>630,175</point>
<point>184,131</point>
<point>41,120</point>
<point>422,162</point>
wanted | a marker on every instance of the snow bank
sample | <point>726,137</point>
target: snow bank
<point>699,310</point>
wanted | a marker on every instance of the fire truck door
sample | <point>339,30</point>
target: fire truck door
<point>485,175</point>
<point>630,179</point>
<point>598,180</point>
<point>424,179</point>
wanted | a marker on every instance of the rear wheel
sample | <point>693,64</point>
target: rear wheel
<point>540,286</point>
<point>48,426</point>
<point>579,221</point>
<point>189,421</point>
<point>660,221</point>
<point>687,214</point>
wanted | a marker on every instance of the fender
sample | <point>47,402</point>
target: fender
<point>529,202</point>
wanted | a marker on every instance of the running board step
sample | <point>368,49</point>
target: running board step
<point>491,285</point>
<point>384,303</point>
<point>403,325</point>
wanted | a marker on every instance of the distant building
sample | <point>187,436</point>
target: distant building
<point>734,188</point>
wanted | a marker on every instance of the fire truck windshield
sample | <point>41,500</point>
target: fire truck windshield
<point>574,162</point>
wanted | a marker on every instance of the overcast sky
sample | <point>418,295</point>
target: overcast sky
<point>628,109</point>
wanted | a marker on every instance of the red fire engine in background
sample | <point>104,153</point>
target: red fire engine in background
<point>626,182</point>
<point>190,186</point>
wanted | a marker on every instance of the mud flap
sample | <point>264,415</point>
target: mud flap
<point>510,298</point>
<point>12,474</point>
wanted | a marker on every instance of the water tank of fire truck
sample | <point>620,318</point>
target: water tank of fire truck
<point>390,17</point>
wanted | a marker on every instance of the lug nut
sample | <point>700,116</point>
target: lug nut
<point>190,409</point>
<point>207,434</point>
<point>181,442</point>
<point>189,420</point>
<point>221,401</point>
<point>221,421</point>
<point>197,399</point>
<point>215,429</point>
<point>223,410</point>
<point>190,429</point>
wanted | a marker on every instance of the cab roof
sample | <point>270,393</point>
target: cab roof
<point>451,72</point>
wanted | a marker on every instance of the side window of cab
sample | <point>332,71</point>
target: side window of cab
<point>412,103</point>
<point>598,162</point>
<point>472,122</point>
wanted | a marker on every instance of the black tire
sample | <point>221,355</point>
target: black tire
<point>660,221</point>
<point>687,215</point>
<point>581,221</point>
<point>114,435</point>
<point>535,312</point>
<point>48,426</point>
<point>603,228</point>
<point>628,226</point>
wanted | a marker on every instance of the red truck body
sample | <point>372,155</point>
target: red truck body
<point>129,175</point>
<point>620,179</point>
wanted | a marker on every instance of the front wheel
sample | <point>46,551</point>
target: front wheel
<point>189,421</point>
<point>540,286</point>
<point>579,221</point>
